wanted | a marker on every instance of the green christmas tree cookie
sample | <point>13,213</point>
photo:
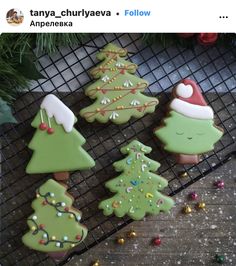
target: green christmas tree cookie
<point>189,129</point>
<point>54,226</point>
<point>117,91</point>
<point>56,144</point>
<point>137,188</point>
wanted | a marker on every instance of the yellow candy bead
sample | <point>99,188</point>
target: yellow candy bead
<point>201,205</point>
<point>33,228</point>
<point>96,263</point>
<point>187,210</point>
<point>183,174</point>
<point>131,234</point>
<point>120,240</point>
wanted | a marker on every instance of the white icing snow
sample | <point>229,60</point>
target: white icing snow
<point>57,109</point>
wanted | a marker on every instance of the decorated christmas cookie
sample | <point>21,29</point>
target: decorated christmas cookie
<point>117,91</point>
<point>137,187</point>
<point>55,225</point>
<point>189,130</point>
<point>56,144</point>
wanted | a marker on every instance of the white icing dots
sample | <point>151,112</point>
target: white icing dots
<point>113,116</point>
<point>105,100</point>
<point>128,83</point>
<point>119,64</point>
<point>184,91</point>
<point>105,78</point>
<point>135,102</point>
<point>58,244</point>
<point>34,217</point>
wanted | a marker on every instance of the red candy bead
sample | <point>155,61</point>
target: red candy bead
<point>44,202</point>
<point>66,209</point>
<point>78,237</point>
<point>219,184</point>
<point>41,226</point>
<point>43,126</point>
<point>41,241</point>
<point>157,241</point>
<point>50,130</point>
<point>193,195</point>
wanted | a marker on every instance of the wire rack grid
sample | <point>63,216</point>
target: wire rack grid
<point>67,75</point>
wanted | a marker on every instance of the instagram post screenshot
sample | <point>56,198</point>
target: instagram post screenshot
<point>118,133</point>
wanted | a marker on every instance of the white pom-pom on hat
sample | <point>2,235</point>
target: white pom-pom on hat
<point>184,91</point>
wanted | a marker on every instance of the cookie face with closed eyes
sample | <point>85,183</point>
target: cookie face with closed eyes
<point>189,128</point>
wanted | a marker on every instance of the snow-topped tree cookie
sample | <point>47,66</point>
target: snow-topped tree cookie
<point>56,144</point>
<point>137,188</point>
<point>189,129</point>
<point>117,91</point>
<point>55,225</point>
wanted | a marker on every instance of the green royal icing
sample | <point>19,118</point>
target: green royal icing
<point>57,152</point>
<point>50,220</point>
<point>137,188</point>
<point>117,92</point>
<point>184,135</point>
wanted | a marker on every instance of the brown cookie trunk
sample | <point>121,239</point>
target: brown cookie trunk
<point>187,159</point>
<point>61,176</point>
<point>57,255</point>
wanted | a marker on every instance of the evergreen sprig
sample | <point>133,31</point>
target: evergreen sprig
<point>17,58</point>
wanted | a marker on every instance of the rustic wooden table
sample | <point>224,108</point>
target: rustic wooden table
<point>192,239</point>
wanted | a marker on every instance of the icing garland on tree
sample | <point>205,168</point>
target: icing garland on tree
<point>55,224</point>
<point>117,91</point>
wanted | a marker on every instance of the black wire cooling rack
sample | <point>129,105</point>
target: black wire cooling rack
<point>66,75</point>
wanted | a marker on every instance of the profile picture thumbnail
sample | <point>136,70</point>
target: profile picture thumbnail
<point>14,17</point>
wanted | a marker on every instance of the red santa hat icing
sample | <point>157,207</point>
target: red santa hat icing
<point>189,101</point>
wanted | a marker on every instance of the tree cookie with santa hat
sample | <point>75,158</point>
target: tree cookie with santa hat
<point>189,129</point>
